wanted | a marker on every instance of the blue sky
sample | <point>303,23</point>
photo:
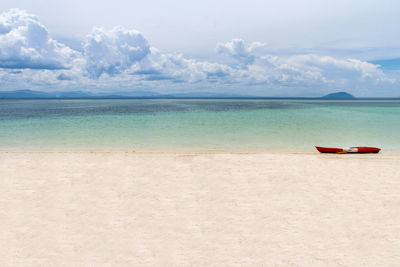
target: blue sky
<point>265,48</point>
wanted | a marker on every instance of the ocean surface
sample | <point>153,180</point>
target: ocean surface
<point>200,124</point>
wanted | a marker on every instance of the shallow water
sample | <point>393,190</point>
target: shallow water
<point>211,124</point>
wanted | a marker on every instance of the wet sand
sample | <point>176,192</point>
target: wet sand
<point>199,209</point>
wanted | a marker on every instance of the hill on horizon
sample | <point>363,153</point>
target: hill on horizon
<point>339,95</point>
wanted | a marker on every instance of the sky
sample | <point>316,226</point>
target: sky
<point>260,48</point>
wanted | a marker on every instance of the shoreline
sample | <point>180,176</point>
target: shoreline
<point>196,152</point>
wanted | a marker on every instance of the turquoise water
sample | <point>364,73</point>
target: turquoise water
<point>141,125</point>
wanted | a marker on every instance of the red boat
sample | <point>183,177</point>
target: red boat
<point>355,149</point>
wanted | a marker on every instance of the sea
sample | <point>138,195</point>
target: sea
<point>287,125</point>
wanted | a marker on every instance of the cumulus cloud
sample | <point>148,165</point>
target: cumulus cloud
<point>323,69</point>
<point>25,44</point>
<point>177,68</point>
<point>240,50</point>
<point>122,58</point>
<point>255,66</point>
<point>113,52</point>
<point>63,77</point>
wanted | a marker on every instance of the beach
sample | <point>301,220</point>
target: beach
<point>199,209</point>
<point>188,133</point>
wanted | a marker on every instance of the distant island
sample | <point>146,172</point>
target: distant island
<point>339,95</point>
<point>30,94</point>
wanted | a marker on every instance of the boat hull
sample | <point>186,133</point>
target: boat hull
<point>356,149</point>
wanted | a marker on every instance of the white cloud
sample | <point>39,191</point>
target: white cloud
<point>114,51</point>
<point>240,50</point>
<point>25,43</point>
<point>122,59</point>
<point>255,66</point>
<point>177,68</point>
<point>326,69</point>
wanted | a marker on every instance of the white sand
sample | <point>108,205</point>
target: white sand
<point>155,209</point>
